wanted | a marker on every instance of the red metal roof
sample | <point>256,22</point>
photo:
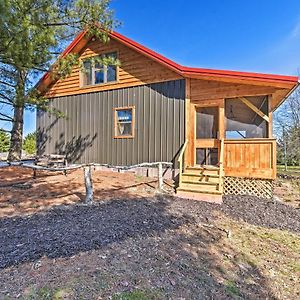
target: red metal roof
<point>191,70</point>
<point>183,70</point>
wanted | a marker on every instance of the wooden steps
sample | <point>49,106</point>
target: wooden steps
<point>196,182</point>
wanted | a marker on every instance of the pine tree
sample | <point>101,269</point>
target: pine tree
<point>29,144</point>
<point>4,141</point>
<point>32,34</point>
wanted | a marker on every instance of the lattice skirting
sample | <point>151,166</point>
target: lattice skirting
<point>262,188</point>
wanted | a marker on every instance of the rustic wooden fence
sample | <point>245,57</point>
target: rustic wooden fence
<point>87,172</point>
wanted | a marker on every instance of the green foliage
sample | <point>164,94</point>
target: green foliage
<point>138,295</point>
<point>232,289</point>
<point>47,293</point>
<point>29,145</point>
<point>44,293</point>
<point>4,141</point>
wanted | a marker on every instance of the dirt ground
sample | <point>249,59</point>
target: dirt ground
<point>288,191</point>
<point>134,244</point>
<point>21,193</point>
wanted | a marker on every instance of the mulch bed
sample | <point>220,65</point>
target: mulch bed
<point>129,243</point>
<point>261,212</point>
<point>288,176</point>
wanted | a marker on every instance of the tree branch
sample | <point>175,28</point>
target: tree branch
<point>8,131</point>
<point>8,84</point>
<point>61,24</point>
<point>7,117</point>
<point>6,98</point>
<point>5,120</point>
<point>6,103</point>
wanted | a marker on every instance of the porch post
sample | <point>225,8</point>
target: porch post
<point>187,159</point>
<point>222,119</point>
<point>270,113</point>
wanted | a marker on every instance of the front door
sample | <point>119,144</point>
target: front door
<point>206,146</point>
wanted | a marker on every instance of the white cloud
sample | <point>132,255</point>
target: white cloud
<point>295,32</point>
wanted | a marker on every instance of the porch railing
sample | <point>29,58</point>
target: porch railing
<point>250,158</point>
<point>180,161</point>
<point>221,166</point>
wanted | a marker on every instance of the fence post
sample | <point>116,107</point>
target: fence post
<point>160,178</point>
<point>88,184</point>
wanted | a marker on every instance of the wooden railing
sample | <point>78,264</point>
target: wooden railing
<point>251,158</point>
<point>180,158</point>
<point>221,161</point>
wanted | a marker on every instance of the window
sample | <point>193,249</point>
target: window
<point>124,122</point>
<point>96,73</point>
<point>242,122</point>
<point>207,156</point>
<point>207,123</point>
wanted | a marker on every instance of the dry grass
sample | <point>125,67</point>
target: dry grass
<point>288,191</point>
<point>276,253</point>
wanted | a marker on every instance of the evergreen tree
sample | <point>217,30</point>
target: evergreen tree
<point>32,34</point>
<point>4,141</point>
<point>29,144</point>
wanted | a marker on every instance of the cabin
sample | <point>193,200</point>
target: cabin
<point>215,126</point>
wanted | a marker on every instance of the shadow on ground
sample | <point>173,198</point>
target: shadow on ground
<point>144,242</point>
<point>63,232</point>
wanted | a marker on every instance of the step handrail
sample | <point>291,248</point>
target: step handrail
<point>180,157</point>
<point>221,170</point>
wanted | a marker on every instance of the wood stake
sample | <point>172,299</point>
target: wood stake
<point>88,184</point>
<point>160,178</point>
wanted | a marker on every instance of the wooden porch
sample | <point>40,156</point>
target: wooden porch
<point>226,137</point>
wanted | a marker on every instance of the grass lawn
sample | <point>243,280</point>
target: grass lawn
<point>291,170</point>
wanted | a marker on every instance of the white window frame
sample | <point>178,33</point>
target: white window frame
<point>105,68</point>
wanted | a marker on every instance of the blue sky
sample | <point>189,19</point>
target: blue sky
<point>259,36</point>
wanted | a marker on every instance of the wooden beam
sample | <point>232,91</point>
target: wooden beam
<point>187,118</point>
<point>270,125</point>
<point>254,108</point>
<point>267,83</point>
<point>222,124</point>
<point>278,97</point>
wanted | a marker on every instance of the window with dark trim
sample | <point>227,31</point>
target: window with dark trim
<point>97,73</point>
<point>124,122</point>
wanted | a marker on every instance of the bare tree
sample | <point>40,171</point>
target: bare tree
<point>287,129</point>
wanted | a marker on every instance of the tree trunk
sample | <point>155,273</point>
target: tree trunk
<point>15,150</point>
<point>16,139</point>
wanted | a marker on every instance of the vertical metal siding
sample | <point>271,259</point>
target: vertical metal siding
<point>86,134</point>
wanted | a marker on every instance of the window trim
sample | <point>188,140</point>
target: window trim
<point>115,110</point>
<point>82,86</point>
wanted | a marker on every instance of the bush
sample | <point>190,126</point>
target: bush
<point>29,144</point>
<point>4,141</point>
